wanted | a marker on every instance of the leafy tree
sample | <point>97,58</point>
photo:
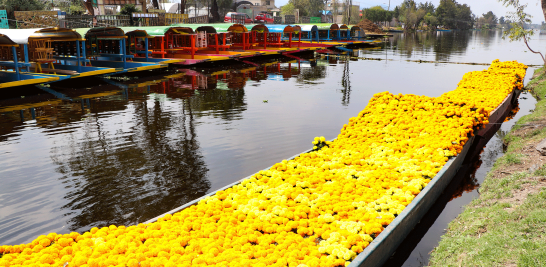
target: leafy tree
<point>428,7</point>
<point>128,10</point>
<point>19,5</point>
<point>520,18</point>
<point>224,6</point>
<point>489,16</point>
<point>501,20</point>
<point>288,9</point>
<point>214,12</point>
<point>412,15</point>
<point>454,15</point>
<point>396,12</point>
<point>375,14</point>
<point>315,7</point>
<point>302,5</point>
<point>431,21</point>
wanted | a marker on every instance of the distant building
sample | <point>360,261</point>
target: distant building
<point>254,7</point>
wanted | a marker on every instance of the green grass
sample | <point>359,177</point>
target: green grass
<point>492,231</point>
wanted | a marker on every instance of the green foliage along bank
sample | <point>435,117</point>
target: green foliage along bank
<point>506,225</point>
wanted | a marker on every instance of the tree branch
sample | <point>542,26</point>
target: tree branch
<point>527,44</point>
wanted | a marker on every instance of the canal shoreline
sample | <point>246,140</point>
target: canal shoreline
<point>505,225</point>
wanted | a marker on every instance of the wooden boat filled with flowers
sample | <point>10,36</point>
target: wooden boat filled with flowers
<point>345,202</point>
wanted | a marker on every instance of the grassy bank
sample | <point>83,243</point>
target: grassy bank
<point>506,225</point>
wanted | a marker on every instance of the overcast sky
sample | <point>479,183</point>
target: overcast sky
<point>478,7</point>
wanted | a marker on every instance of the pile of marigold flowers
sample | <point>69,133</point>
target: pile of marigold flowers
<point>321,208</point>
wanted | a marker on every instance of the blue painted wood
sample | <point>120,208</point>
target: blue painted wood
<point>146,47</point>
<point>12,64</point>
<point>25,50</point>
<point>78,55</point>
<point>71,58</point>
<point>55,93</point>
<point>16,64</point>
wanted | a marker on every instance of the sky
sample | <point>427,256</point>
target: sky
<point>478,7</point>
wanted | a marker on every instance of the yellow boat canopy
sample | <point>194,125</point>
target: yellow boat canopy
<point>237,28</point>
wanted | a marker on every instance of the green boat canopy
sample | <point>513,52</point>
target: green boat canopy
<point>219,27</point>
<point>159,30</point>
<point>102,32</point>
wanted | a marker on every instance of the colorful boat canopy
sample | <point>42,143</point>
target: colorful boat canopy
<point>282,28</point>
<point>237,28</point>
<point>308,28</point>
<point>103,32</point>
<point>260,28</point>
<point>219,27</point>
<point>145,31</point>
<point>21,36</point>
<point>324,26</point>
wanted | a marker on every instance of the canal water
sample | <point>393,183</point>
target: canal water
<point>95,151</point>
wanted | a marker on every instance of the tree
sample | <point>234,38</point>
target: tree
<point>520,18</point>
<point>288,9</point>
<point>302,5</point>
<point>501,20</point>
<point>431,21</point>
<point>428,7</point>
<point>315,7</point>
<point>214,11</point>
<point>489,16</point>
<point>375,14</point>
<point>128,10</point>
<point>20,5</point>
<point>454,15</point>
<point>224,6</point>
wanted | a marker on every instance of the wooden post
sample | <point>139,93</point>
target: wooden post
<point>290,40</point>
<point>217,44</point>
<point>192,40</point>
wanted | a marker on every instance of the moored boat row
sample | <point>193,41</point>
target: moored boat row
<point>35,56</point>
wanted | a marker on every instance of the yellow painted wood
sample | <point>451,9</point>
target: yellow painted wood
<point>31,105</point>
<point>27,82</point>
<point>96,72</point>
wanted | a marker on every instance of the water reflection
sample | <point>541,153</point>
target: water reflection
<point>114,177</point>
<point>125,149</point>
<point>441,44</point>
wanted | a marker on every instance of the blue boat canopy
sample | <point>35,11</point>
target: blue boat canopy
<point>309,28</point>
<point>282,28</point>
